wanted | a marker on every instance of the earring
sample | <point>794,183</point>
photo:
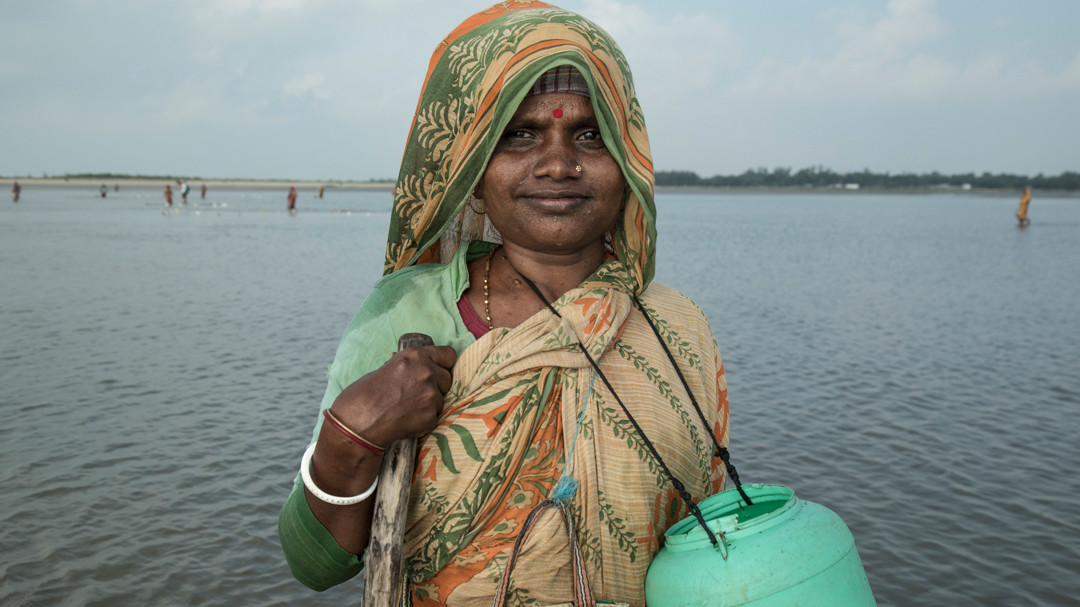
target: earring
<point>609,243</point>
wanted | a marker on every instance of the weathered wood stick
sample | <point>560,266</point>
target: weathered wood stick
<point>383,576</point>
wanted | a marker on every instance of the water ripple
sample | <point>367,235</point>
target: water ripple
<point>161,376</point>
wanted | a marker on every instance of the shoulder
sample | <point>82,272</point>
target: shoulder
<point>414,284</point>
<point>416,291</point>
<point>669,302</point>
<point>408,300</point>
<point>678,317</point>
<point>417,299</point>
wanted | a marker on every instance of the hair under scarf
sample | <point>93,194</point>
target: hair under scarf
<point>476,80</point>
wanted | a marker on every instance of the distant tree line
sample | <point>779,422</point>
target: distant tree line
<point>820,177</point>
<point>784,177</point>
<point>109,176</point>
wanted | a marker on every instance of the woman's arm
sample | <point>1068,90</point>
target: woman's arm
<point>382,396</point>
<point>400,400</point>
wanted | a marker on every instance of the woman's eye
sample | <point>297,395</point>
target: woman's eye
<point>514,138</point>
<point>517,134</point>
<point>591,135</point>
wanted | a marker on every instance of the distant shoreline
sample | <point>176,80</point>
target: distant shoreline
<point>1002,192</point>
<point>139,182</point>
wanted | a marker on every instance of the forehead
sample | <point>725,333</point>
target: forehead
<point>555,106</point>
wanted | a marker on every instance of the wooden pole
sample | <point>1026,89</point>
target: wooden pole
<point>383,575</point>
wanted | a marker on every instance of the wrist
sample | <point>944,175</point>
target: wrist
<point>349,433</point>
<point>354,409</point>
<point>340,466</point>
<point>316,491</point>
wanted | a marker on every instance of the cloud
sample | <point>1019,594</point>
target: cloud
<point>313,85</point>
<point>890,59</point>
<point>217,29</point>
<point>670,54</point>
<point>215,10</point>
<point>908,23</point>
<point>618,19</point>
<point>194,104</point>
<point>879,60</point>
<point>1070,78</point>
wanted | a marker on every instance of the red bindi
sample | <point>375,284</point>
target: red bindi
<point>558,112</point>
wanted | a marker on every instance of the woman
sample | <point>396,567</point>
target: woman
<point>523,232</point>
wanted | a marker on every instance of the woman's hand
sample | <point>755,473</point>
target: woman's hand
<point>401,399</point>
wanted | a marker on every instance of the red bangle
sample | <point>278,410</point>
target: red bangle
<point>354,437</point>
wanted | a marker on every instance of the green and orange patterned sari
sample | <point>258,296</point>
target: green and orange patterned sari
<point>525,407</point>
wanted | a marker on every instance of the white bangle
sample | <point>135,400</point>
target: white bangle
<point>305,473</point>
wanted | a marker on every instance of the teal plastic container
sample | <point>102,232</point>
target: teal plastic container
<point>782,551</point>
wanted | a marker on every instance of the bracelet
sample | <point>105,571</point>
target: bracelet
<point>305,473</point>
<point>354,437</point>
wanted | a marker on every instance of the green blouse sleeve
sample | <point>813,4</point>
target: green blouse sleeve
<point>314,557</point>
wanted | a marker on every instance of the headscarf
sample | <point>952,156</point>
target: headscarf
<point>476,80</point>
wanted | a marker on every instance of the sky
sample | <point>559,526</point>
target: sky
<point>325,89</point>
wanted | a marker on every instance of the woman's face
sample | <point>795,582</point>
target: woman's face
<point>534,194</point>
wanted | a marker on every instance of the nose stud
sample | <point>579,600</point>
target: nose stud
<point>578,168</point>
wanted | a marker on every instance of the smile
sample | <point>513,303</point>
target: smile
<point>555,202</point>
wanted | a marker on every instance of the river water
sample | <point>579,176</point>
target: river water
<point>910,361</point>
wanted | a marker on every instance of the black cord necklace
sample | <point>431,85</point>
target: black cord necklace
<point>720,452</point>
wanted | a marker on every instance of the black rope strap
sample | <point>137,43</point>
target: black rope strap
<point>675,482</point>
<point>721,451</point>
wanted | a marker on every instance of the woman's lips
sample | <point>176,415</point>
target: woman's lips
<point>555,201</point>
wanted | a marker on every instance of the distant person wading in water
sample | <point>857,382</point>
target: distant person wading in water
<point>16,189</point>
<point>292,200</point>
<point>168,195</point>
<point>1022,212</point>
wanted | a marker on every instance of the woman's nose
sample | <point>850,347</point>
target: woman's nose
<point>558,159</point>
